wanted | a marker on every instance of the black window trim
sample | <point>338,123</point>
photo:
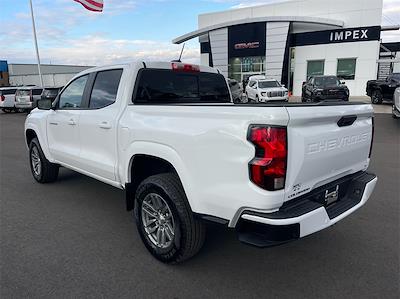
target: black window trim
<point>135,89</point>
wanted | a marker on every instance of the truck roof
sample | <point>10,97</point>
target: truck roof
<point>149,64</point>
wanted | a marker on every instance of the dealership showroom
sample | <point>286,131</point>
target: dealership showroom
<point>74,238</point>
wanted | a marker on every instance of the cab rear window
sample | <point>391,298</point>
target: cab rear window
<point>158,86</point>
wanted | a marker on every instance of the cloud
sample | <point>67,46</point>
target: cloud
<point>94,50</point>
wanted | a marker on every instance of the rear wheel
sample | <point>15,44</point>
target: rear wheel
<point>42,170</point>
<point>165,221</point>
<point>6,110</point>
<point>376,97</point>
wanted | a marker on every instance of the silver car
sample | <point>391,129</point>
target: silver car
<point>396,103</point>
<point>27,97</point>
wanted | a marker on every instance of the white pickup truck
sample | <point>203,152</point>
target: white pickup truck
<point>169,134</point>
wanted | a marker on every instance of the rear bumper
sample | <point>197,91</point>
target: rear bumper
<point>307,214</point>
<point>6,104</point>
<point>23,105</point>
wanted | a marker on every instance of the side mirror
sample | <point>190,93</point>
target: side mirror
<point>44,104</point>
<point>342,82</point>
<point>304,83</point>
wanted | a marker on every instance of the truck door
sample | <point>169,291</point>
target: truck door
<point>98,125</point>
<point>63,123</point>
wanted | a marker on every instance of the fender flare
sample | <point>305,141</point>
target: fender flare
<point>157,150</point>
<point>42,140</point>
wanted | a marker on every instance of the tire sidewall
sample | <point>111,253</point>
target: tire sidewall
<point>35,143</point>
<point>162,254</point>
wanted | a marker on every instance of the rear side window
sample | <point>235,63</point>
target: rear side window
<point>37,92</point>
<point>7,92</point>
<point>105,88</point>
<point>167,86</point>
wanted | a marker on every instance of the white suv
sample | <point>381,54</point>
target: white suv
<point>261,89</point>
<point>7,98</point>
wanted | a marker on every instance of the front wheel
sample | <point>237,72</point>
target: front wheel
<point>43,171</point>
<point>165,221</point>
<point>376,97</point>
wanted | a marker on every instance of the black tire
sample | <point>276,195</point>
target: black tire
<point>6,110</point>
<point>257,99</point>
<point>189,232</point>
<point>376,97</point>
<point>48,172</point>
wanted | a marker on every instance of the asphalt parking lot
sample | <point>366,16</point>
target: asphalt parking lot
<point>73,238</point>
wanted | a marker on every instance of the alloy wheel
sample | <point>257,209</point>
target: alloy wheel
<point>157,220</point>
<point>36,162</point>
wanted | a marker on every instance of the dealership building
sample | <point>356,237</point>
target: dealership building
<point>290,41</point>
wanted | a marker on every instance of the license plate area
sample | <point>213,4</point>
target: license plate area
<point>331,193</point>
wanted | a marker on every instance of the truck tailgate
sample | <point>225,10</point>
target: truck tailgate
<point>326,143</point>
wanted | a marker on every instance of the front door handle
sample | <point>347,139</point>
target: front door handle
<point>72,122</point>
<point>105,125</point>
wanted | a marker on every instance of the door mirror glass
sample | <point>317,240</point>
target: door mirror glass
<point>342,82</point>
<point>44,104</point>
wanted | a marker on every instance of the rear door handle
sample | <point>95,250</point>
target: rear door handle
<point>72,122</point>
<point>105,125</point>
<point>53,123</point>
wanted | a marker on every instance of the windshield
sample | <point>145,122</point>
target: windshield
<point>396,76</point>
<point>23,92</point>
<point>326,81</point>
<point>50,92</point>
<point>268,84</point>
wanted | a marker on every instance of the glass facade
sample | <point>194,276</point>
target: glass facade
<point>240,68</point>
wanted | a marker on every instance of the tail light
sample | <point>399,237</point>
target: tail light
<point>182,67</point>
<point>372,137</point>
<point>268,168</point>
<point>2,98</point>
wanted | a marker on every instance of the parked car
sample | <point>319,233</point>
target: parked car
<point>236,91</point>
<point>396,103</point>
<point>380,90</point>
<point>50,92</point>
<point>260,89</point>
<point>170,135</point>
<point>324,88</point>
<point>7,98</point>
<point>27,97</point>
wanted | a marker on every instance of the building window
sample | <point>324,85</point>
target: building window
<point>315,68</point>
<point>240,68</point>
<point>346,68</point>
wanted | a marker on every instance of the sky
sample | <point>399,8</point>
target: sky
<point>127,29</point>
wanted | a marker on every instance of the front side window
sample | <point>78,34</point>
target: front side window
<point>72,96</point>
<point>105,88</point>
<point>167,86</point>
<point>346,68</point>
<point>315,68</point>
